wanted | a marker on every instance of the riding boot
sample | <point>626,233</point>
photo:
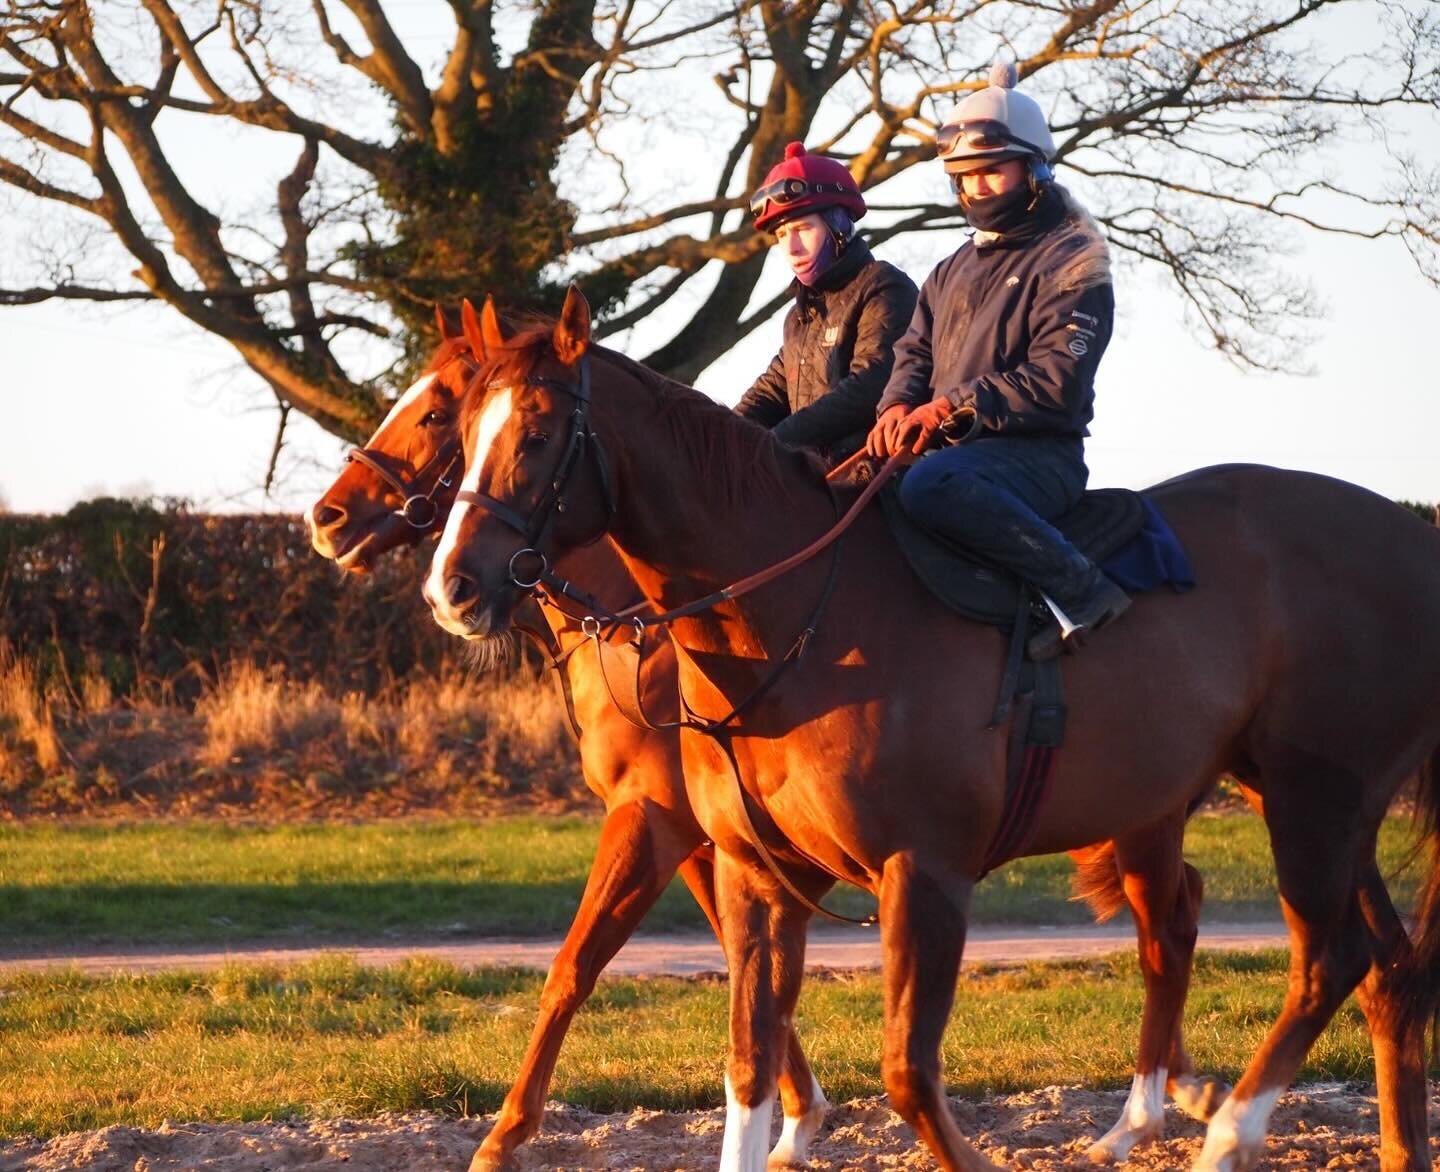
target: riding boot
<point>1087,598</point>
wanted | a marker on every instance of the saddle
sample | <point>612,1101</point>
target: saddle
<point>1103,521</point>
<point>1031,698</point>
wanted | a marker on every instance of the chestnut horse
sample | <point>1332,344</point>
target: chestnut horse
<point>1306,665</point>
<point>649,832</point>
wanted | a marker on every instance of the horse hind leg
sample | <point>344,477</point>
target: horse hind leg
<point>1399,1055</point>
<point>922,925</point>
<point>802,1100</point>
<point>1319,855</point>
<point>1401,994</point>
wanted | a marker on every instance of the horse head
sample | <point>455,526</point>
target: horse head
<point>398,488</point>
<point>525,426</point>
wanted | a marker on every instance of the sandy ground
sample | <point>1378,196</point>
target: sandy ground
<point>651,955</point>
<point>1329,1127</point>
<point>1317,1127</point>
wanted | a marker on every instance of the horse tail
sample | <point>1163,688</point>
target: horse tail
<point>1096,881</point>
<point>1420,983</point>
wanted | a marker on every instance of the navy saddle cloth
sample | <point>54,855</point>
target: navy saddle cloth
<point>1114,527</point>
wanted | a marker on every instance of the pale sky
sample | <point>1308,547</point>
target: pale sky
<point>137,401</point>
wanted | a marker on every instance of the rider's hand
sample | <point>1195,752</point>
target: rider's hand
<point>881,442</point>
<point>920,426</point>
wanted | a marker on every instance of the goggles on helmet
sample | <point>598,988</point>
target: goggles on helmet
<point>784,191</point>
<point>986,134</point>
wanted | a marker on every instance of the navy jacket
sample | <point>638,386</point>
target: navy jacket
<point>820,391</point>
<point>1014,326</point>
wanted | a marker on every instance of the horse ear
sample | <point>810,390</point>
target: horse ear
<point>470,327</point>
<point>572,334</point>
<point>492,332</point>
<point>441,323</point>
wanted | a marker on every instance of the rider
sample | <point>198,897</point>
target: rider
<point>1012,327</point>
<point>820,390</point>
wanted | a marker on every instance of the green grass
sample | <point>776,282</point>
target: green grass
<point>329,1037</point>
<point>208,883</point>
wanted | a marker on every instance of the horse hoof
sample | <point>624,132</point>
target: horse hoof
<point>1115,1146</point>
<point>792,1149</point>
<point>1199,1096</point>
<point>484,1161</point>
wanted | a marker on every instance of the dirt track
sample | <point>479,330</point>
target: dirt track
<point>688,955</point>
<point>1045,1131</point>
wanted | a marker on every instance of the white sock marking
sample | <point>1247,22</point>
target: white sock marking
<point>793,1146</point>
<point>1237,1133</point>
<point>1143,1118</point>
<point>487,429</point>
<point>747,1133</point>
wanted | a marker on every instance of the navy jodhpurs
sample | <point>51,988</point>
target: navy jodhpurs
<point>997,495</point>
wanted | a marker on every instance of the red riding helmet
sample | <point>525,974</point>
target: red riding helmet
<point>802,184</point>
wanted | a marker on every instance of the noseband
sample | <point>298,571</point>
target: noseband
<point>417,509</point>
<point>553,501</point>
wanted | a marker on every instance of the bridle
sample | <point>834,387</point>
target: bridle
<point>554,500</point>
<point>417,509</point>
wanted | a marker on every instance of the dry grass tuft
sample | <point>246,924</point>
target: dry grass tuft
<point>259,743</point>
<point>26,716</point>
<point>253,710</point>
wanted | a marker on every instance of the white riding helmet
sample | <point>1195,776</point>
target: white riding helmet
<point>995,124</point>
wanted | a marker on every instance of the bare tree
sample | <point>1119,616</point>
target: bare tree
<point>1201,130</point>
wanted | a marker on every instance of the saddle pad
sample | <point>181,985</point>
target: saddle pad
<point>1101,523</point>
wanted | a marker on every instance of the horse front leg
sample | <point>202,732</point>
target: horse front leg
<point>1158,888</point>
<point>801,1098</point>
<point>1198,1095</point>
<point>764,936</point>
<point>923,917</point>
<point>638,853</point>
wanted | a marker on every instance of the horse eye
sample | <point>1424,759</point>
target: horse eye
<point>534,441</point>
<point>435,419</point>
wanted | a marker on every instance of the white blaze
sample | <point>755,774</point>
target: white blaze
<point>492,419</point>
<point>415,391</point>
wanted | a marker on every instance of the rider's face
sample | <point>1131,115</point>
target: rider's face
<point>800,241</point>
<point>997,179</point>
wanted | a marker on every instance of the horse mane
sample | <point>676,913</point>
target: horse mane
<point>729,451</point>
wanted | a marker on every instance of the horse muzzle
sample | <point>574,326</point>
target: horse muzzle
<point>459,607</point>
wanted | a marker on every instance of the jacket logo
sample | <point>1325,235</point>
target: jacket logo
<point>1012,281</point>
<point>1078,346</point>
<point>832,335</point>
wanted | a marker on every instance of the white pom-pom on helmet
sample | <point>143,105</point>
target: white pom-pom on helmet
<point>995,124</point>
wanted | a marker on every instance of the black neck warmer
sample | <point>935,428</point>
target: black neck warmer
<point>1015,217</point>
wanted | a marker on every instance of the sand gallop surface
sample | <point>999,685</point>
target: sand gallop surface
<point>1315,1127</point>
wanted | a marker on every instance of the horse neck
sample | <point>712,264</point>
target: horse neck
<point>684,531</point>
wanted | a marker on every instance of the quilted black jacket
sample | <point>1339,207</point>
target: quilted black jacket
<point>820,391</point>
